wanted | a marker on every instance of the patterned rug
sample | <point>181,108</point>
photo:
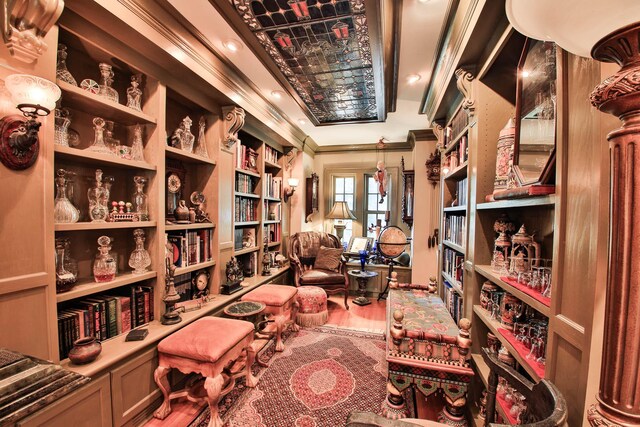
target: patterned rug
<point>321,377</point>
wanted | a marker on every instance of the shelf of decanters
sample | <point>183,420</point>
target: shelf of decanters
<point>88,286</point>
<point>79,226</point>
<point>80,99</point>
<point>93,158</point>
<point>185,156</point>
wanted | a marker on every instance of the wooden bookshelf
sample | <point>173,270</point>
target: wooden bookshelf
<point>526,202</point>
<point>248,172</point>
<point>455,209</point>
<point>99,159</point>
<point>194,267</point>
<point>248,195</point>
<point>89,286</point>
<point>453,246</point>
<point>458,172</point>
<point>246,223</point>
<point>178,154</point>
<point>246,250</point>
<point>455,285</point>
<point>82,226</point>
<point>196,226</point>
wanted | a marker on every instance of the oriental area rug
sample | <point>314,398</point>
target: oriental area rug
<point>317,381</point>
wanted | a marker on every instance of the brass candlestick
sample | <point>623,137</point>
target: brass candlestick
<point>171,297</point>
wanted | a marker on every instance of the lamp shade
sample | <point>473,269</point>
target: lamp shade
<point>31,92</point>
<point>293,182</point>
<point>574,25</point>
<point>340,210</point>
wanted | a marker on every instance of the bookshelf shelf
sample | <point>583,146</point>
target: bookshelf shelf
<point>453,246</point>
<point>90,158</point>
<point>455,209</point>
<point>269,164</point>
<point>272,244</point>
<point>199,226</point>
<point>99,106</point>
<point>454,283</point>
<point>80,226</point>
<point>459,172</point>
<point>454,143</point>
<point>189,269</point>
<point>248,172</point>
<point>272,199</point>
<point>526,202</point>
<point>271,221</point>
<point>246,223</point>
<point>176,153</point>
<point>248,195</point>
<point>89,286</point>
<point>246,250</point>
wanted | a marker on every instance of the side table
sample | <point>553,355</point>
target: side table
<point>362,277</point>
<point>243,310</point>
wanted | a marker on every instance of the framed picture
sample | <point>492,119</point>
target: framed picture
<point>312,196</point>
<point>357,244</point>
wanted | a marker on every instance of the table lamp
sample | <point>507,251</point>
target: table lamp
<point>340,211</point>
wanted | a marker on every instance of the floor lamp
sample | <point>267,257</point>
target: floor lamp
<point>339,212</point>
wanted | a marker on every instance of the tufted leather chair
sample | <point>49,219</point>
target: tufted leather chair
<point>304,247</point>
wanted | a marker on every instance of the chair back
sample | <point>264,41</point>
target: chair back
<point>305,245</point>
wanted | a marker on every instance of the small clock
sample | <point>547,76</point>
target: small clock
<point>200,282</point>
<point>174,183</point>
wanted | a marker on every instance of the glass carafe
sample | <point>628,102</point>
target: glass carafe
<point>61,69</point>
<point>63,210</point>
<point>98,200</point>
<point>140,200</point>
<point>65,279</point>
<point>112,143</point>
<point>70,264</point>
<point>134,94</point>
<point>139,259</point>
<point>62,123</point>
<point>201,146</point>
<point>137,147</point>
<point>98,145</point>
<point>104,267</point>
<point>106,80</point>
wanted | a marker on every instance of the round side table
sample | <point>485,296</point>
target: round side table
<point>243,310</point>
<point>362,277</point>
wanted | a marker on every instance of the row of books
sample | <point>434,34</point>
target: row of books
<point>244,238</point>
<point>273,232</point>
<point>244,183</point>
<point>243,155</point>
<point>455,228</point>
<point>461,192</point>
<point>245,210</point>
<point>271,154</point>
<point>104,316</point>
<point>248,263</point>
<point>272,186</point>
<point>453,302</point>
<point>459,155</point>
<point>191,247</point>
<point>272,210</point>
<point>453,264</point>
<point>457,125</point>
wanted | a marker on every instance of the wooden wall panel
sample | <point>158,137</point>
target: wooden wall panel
<point>24,319</point>
<point>567,358</point>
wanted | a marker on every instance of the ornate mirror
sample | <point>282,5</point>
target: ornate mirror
<point>312,196</point>
<point>534,151</point>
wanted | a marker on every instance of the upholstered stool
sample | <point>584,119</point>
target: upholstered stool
<point>218,349</point>
<point>280,311</point>
<point>313,306</point>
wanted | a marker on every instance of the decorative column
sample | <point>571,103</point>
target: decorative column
<point>619,391</point>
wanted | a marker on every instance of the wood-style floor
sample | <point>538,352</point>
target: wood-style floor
<point>371,317</point>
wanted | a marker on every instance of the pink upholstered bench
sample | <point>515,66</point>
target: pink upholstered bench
<point>206,347</point>
<point>313,306</point>
<point>281,308</point>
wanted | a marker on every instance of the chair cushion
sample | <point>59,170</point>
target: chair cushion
<point>274,295</point>
<point>206,339</point>
<point>312,299</point>
<point>321,277</point>
<point>328,258</point>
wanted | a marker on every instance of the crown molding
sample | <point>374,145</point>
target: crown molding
<point>343,148</point>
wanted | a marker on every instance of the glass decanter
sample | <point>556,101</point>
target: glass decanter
<point>63,210</point>
<point>104,267</point>
<point>98,145</point>
<point>186,138</point>
<point>98,200</point>
<point>70,264</point>
<point>137,146</point>
<point>111,142</point>
<point>139,259</point>
<point>65,279</point>
<point>201,146</point>
<point>106,80</point>
<point>62,123</point>
<point>61,68</point>
<point>134,94</point>
<point>140,200</point>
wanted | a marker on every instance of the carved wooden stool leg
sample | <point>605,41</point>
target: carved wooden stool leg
<point>295,307</point>
<point>394,406</point>
<point>279,327</point>
<point>213,386</point>
<point>160,377</point>
<point>453,413</point>
<point>250,380</point>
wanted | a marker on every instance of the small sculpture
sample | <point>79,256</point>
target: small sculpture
<point>233,271</point>
<point>171,297</point>
<point>198,200</point>
<point>266,260</point>
<point>382,178</point>
<point>181,214</point>
<point>182,137</point>
<point>134,94</point>
<point>201,146</point>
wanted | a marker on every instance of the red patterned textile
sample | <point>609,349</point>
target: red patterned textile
<point>313,306</point>
<point>275,295</point>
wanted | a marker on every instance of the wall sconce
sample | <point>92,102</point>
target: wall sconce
<point>35,97</point>
<point>288,192</point>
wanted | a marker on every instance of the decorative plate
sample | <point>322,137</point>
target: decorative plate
<point>90,86</point>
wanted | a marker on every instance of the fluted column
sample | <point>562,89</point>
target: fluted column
<point>619,390</point>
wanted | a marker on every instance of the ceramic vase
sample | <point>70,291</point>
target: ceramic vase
<point>85,350</point>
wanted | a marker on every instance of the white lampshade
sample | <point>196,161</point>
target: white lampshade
<point>574,25</point>
<point>28,92</point>
<point>293,182</point>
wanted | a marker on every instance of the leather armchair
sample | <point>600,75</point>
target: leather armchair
<point>304,247</point>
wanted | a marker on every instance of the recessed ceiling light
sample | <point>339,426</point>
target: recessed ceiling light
<point>232,45</point>
<point>277,94</point>
<point>525,74</point>
<point>413,78</point>
<point>302,122</point>
<point>424,1</point>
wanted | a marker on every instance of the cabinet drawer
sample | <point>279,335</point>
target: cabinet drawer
<point>134,389</point>
<point>88,406</point>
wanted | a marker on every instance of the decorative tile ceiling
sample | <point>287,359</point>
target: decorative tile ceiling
<point>322,48</point>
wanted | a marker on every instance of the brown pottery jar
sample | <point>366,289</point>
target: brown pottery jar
<point>85,350</point>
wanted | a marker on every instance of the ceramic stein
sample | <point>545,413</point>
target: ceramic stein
<point>485,294</point>
<point>523,249</point>
<point>181,213</point>
<point>85,350</point>
<point>510,308</point>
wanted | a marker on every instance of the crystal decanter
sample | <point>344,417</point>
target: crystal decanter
<point>98,145</point>
<point>137,147</point>
<point>139,259</point>
<point>186,138</point>
<point>65,279</point>
<point>98,200</point>
<point>140,200</point>
<point>62,123</point>
<point>61,69</point>
<point>104,267</point>
<point>63,210</point>
<point>134,94</point>
<point>106,80</point>
<point>112,143</point>
<point>201,146</point>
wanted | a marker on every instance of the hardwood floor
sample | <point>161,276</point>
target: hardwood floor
<point>371,316</point>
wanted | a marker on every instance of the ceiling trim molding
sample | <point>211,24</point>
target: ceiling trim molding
<point>392,77</point>
<point>342,148</point>
<point>416,135</point>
